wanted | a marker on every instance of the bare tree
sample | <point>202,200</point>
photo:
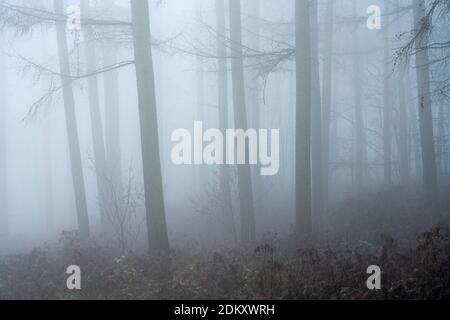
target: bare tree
<point>303,118</point>
<point>387,108</point>
<point>71,125</point>
<point>327,92</point>
<point>424,96</point>
<point>94,104</point>
<point>248,229</point>
<point>222,85</point>
<point>316,115</point>
<point>359,114</point>
<point>153,188</point>
<point>4,223</point>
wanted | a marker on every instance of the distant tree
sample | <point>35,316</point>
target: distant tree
<point>4,223</point>
<point>359,106</point>
<point>387,102</point>
<point>94,107</point>
<point>303,118</point>
<point>222,85</point>
<point>71,124</point>
<point>248,231</point>
<point>424,96</point>
<point>327,96</point>
<point>316,116</point>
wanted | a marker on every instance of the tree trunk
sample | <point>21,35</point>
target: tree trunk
<point>71,124</point>
<point>359,120</point>
<point>248,231</point>
<point>326,102</point>
<point>95,115</point>
<point>153,189</point>
<point>387,108</point>
<point>403,153</point>
<point>316,116</point>
<point>425,113</point>
<point>4,223</point>
<point>222,84</point>
<point>303,119</point>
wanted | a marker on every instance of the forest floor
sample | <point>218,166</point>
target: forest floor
<point>415,267</point>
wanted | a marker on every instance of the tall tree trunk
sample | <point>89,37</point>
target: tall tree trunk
<point>415,139</point>
<point>254,26</point>
<point>326,102</point>
<point>201,173</point>
<point>303,118</point>
<point>425,112</point>
<point>403,141</point>
<point>248,231</point>
<point>359,120</point>
<point>387,108</point>
<point>403,152</point>
<point>4,223</point>
<point>222,84</point>
<point>154,198</point>
<point>441,132</point>
<point>95,115</point>
<point>316,116</point>
<point>254,90</point>
<point>71,124</point>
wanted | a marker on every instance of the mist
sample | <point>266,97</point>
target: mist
<point>185,128</point>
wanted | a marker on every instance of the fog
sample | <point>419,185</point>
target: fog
<point>357,90</point>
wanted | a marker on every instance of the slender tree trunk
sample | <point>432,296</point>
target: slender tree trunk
<point>254,90</point>
<point>153,189</point>
<point>222,84</point>
<point>359,120</point>
<point>316,116</point>
<point>387,109</point>
<point>240,113</point>
<point>442,133</point>
<point>404,164</point>
<point>71,124</point>
<point>254,42</point>
<point>425,111</point>
<point>201,173</point>
<point>95,115</point>
<point>303,118</point>
<point>415,138</point>
<point>403,141</point>
<point>4,223</point>
<point>326,103</point>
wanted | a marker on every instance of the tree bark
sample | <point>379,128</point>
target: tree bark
<point>71,125</point>
<point>153,189</point>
